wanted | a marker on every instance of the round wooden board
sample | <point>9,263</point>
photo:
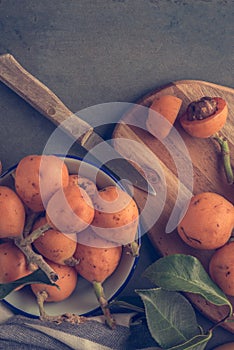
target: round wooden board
<point>151,155</point>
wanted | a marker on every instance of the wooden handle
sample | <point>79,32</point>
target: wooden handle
<point>41,98</point>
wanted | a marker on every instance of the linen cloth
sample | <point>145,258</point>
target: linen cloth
<point>18,332</point>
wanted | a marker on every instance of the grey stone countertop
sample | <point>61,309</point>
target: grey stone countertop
<point>91,52</point>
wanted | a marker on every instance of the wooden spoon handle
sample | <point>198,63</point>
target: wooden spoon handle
<point>41,98</point>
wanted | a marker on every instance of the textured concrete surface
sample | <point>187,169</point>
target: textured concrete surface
<point>91,52</point>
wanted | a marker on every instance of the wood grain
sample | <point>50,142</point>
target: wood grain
<point>152,157</point>
<point>42,98</point>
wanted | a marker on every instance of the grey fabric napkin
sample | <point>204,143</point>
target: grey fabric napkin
<point>24,333</point>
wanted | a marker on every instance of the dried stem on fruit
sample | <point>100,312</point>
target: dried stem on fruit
<point>98,289</point>
<point>226,157</point>
<point>36,234</point>
<point>24,244</point>
<point>71,261</point>
<point>67,317</point>
<point>31,217</point>
<point>134,249</point>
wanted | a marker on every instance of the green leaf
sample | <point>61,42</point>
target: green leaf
<point>37,276</point>
<point>179,272</point>
<point>170,317</point>
<point>123,304</point>
<point>198,342</point>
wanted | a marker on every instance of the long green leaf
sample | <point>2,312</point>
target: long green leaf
<point>185,273</point>
<point>37,276</point>
<point>170,317</point>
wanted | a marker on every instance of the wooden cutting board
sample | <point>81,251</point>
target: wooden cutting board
<point>158,164</point>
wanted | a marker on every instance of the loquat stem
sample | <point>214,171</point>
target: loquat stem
<point>71,261</point>
<point>34,258</point>
<point>41,298</point>
<point>99,291</point>
<point>36,234</point>
<point>67,317</point>
<point>29,223</point>
<point>32,266</point>
<point>134,248</point>
<point>226,157</point>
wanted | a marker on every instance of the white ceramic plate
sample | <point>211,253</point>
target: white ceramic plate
<point>83,300</point>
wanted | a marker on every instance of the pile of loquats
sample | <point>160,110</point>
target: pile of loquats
<point>64,225</point>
